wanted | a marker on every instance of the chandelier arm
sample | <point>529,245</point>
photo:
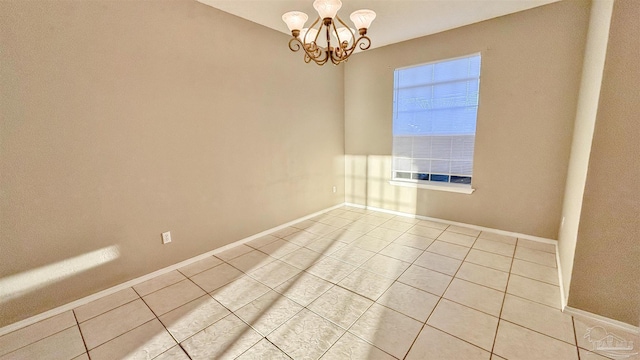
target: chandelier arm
<point>328,33</point>
<point>335,31</point>
<point>365,44</point>
<point>337,61</point>
<point>341,52</point>
<point>353,38</point>
<point>315,53</point>
<point>318,60</point>
<point>311,27</point>
<point>323,60</point>
<point>328,21</point>
<point>312,49</point>
<point>295,44</point>
<point>338,56</point>
<point>336,52</point>
<point>312,53</point>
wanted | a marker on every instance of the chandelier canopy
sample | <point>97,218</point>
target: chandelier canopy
<point>310,39</point>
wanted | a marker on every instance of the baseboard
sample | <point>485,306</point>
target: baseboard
<point>85,300</point>
<point>599,318</point>
<point>563,299</point>
<point>481,228</point>
<point>475,227</point>
<point>566,309</point>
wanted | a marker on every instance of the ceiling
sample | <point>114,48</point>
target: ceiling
<point>397,20</point>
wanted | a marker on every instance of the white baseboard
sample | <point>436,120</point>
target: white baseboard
<point>605,320</point>
<point>475,227</point>
<point>563,299</point>
<point>481,228</point>
<point>85,300</point>
<point>566,309</point>
<point>72,305</point>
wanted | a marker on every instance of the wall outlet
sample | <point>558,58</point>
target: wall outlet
<point>166,237</point>
<point>335,189</point>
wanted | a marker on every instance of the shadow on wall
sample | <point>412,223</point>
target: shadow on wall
<point>367,183</point>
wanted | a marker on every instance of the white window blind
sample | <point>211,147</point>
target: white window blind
<point>434,121</point>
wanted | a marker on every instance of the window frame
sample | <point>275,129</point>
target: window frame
<point>428,184</point>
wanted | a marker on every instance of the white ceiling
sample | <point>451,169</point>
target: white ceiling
<point>397,20</point>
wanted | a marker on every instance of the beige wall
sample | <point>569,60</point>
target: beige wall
<point>607,260</point>
<point>586,112</point>
<point>121,120</point>
<point>531,69</point>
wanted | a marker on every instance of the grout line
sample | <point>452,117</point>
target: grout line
<point>455,223</point>
<point>374,301</point>
<point>575,336</point>
<point>165,287</point>
<point>104,312</point>
<point>350,325</point>
<point>154,314</point>
<point>124,333</point>
<point>334,284</point>
<point>169,349</point>
<point>40,339</point>
<point>535,302</point>
<point>534,249</point>
<point>412,263</point>
<point>438,302</point>
<point>396,279</point>
<point>201,271</point>
<point>504,299</point>
<point>361,315</point>
<point>538,332</point>
<point>538,280</point>
<point>424,323</point>
<point>555,268</point>
<point>280,294</point>
<point>117,307</point>
<point>130,283</point>
<point>81,334</point>
<point>454,336</point>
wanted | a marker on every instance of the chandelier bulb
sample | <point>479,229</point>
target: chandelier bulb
<point>295,20</point>
<point>327,9</point>
<point>362,19</point>
<point>340,42</point>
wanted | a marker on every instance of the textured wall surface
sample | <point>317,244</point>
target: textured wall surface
<point>530,77</point>
<point>122,120</point>
<point>606,267</point>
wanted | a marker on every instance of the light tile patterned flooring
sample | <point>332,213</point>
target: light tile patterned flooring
<point>348,284</point>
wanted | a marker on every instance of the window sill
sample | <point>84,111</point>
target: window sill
<point>456,188</point>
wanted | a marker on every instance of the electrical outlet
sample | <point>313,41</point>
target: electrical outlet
<point>335,189</point>
<point>166,237</point>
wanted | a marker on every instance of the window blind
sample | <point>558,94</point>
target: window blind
<point>434,122</point>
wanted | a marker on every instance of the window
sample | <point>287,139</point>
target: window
<point>435,108</point>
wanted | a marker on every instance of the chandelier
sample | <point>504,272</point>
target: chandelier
<point>320,50</point>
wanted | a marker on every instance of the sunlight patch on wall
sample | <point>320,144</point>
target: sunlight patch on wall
<point>16,285</point>
<point>367,183</point>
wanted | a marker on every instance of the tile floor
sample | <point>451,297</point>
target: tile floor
<point>348,284</point>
